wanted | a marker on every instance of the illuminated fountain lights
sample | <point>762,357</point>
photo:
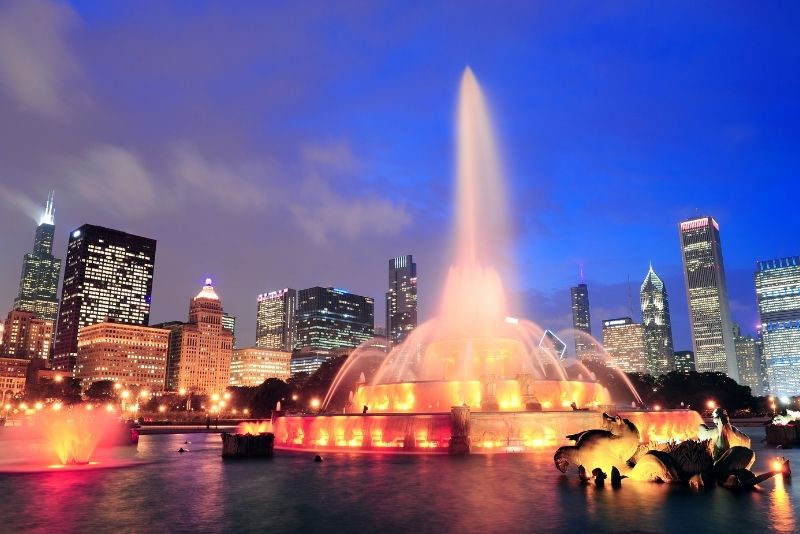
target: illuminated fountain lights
<point>472,371</point>
<point>62,438</point>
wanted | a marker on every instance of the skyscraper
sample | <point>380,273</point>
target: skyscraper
<point>38,284</point>
<point>200,352</point>
<point>656,324</point>
<point>778,296</point>
<point>581,322</point>
<point>229,324</point>
<point>330,318</point>
<point>275,320</point>
<point>108,277</point>
<point>747,358</point>
<point>624,341</point>
<point>707,295</point>
<point>401,299</point>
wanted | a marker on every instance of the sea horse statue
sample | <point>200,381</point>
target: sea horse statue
<point>722,455</point>
<point>723,435</point>
<point>600,448</point>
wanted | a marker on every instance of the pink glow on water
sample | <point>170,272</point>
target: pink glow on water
<point>54,439</point>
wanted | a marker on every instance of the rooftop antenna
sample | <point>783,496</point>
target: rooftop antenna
<point>580,267</point>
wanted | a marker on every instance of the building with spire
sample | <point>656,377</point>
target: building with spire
<point>38,286</point>
<point>401,299</point>
<point>707,295</point>
<point>656,324</point>
<point>200,352</point>
<point>108,277</point>
<point>582,322</point>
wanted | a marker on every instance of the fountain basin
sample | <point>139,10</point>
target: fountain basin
<point>488,432</point>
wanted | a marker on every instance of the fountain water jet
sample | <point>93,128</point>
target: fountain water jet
<point>471,362</point>
<point>67,438</point>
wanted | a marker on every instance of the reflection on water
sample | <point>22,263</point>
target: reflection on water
<point>782,512</point>
<point>199,492</point>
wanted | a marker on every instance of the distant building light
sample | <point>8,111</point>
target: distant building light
<point>76,234</point>
<point>512,320</point>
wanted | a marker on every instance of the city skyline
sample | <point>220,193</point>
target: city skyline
<point>302,158</point>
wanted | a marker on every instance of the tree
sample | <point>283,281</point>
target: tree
<point>267,396</point>
<point>102,390</point>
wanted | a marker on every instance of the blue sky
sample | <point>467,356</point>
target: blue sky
<point>274,144</point>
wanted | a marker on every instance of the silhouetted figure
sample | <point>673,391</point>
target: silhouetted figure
<point>317,458</point>
<point>208,422</point>
<point>365,410</point>
<point>574,406</point>
<point>616,478</point>
<point>599,477</point>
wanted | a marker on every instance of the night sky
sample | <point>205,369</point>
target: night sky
<point>275,144</point>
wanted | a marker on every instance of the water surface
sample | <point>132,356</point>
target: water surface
<point>199,492</point>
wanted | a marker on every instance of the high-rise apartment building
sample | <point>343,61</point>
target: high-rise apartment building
<point>108,277</point>
<point>201,350</point>
<point>38,285</point>
<point>747,358</point>
<point>582,323</point>
<point>707,295</point>
<point>778,296</point>
<point>275,320</point>
<point>252,366</point>
<point>624,341</point>
<point>401,299</point>
<point>26,336</point>
<point>229,324</point>
<point>684,361</point>
<point>135,356</point>
<point>330,318</point>
<point>656,324</point>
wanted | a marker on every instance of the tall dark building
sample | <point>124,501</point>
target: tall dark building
<point>401,299</point>
<point>275,320</point>
<point>38,285</point>
<point>108,277</point>
<point>329,318</point>
<point>657,325</point>
<point>684,361</point>
<point>582,322</point>
<point>707,295</point>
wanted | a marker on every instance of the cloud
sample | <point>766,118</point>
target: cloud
<point>113,179</point>
<point>22,202</point>
<point>334,203</point>
<point>326,213</point>
<point>229,186</point>
<point>37,67</point>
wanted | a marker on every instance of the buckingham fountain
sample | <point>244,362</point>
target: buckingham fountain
<point>472,379</point>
